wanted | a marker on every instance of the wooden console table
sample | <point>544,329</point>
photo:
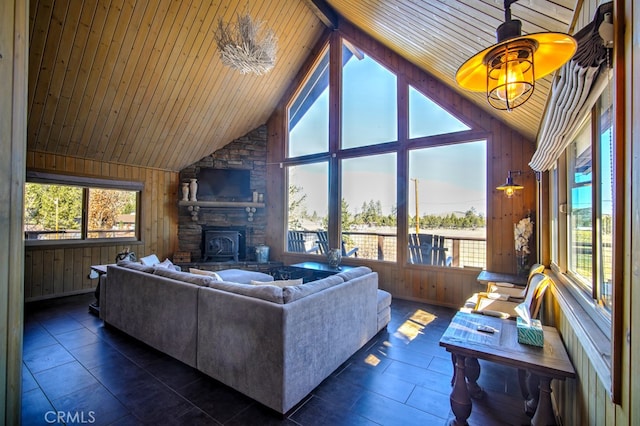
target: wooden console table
<point>96,272</point>
<point>466,344</point>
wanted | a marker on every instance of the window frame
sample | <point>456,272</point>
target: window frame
<point>586,296</point>
<point>597,329</point>
<point>587,127</point>
<point>86,184</point>
<point>336,153</point>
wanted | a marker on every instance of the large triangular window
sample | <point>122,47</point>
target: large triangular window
<point>352,171</point>
<point>426,118</point>
<point>369,100</point>
<point>308,113</point>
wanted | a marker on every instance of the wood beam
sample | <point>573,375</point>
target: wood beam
<point>324,12</point>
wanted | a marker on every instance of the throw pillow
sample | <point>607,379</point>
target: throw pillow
<point>150,260</point>
<point>207,273</point>
<point>167,264</point>
<point>278,283</point>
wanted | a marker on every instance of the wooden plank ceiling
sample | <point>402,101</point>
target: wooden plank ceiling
<point>141,82</point>
<point>439,35</point>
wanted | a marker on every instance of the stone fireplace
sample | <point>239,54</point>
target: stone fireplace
<point>232,219</point>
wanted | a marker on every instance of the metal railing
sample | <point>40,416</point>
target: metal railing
<point>467,251</point>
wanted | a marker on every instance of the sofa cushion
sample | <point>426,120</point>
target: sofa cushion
<point>242,276</point>
<point>269,293</point>
<point>384,300</point>
<point>136,266</point>
<point>201,280</point>
<point>294,293</point>
<point>278,283</point>
<point>211,274</point>
<point>354,273</point>
<point>384,317</point>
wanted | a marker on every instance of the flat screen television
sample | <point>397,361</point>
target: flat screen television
<point>224,185</point>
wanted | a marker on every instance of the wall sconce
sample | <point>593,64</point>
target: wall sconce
<point>507,70</point>
<point>510,187</point>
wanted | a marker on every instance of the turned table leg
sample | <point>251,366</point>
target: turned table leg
<point>472,372</point>
<point>453,364</point>
<point>544,413</point>
<point>531,401</point>
<point>460,400</point>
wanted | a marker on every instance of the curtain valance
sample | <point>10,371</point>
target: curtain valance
<point>575,90</point>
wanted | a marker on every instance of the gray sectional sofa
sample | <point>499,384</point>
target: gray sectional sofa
<point>273,344</point>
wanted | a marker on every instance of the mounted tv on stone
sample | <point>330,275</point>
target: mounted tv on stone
<point>224,185</point>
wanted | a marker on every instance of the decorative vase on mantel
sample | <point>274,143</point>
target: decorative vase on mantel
<point>334,257</point>
<point>185,191</point>
<point>193,189</point>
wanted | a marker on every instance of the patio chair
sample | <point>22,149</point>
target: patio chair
<point>498,305</point>
<point>506,291</point>
<point>296,243</point>
<point>323,244</point>
<point>515,293</point>
<point>428,249</point>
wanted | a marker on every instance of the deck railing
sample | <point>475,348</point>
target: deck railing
<point>463,251</point>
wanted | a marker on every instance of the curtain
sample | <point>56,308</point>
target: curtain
<point>575,90</point>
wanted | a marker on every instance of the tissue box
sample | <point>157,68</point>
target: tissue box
<point>530,334</point>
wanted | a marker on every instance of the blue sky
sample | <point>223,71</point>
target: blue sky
<point>450,178</point>
<point>581,196</point>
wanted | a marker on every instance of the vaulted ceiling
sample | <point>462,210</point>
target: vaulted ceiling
<point>141,82</point>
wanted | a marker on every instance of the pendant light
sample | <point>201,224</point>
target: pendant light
<point>507,70</point>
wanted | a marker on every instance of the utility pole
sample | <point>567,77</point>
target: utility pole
<point>415,185</point>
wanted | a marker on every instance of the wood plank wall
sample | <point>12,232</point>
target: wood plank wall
<point>53,271</point>
<point>14,45</point>
<point>506,150</point>
<point>585,400</point>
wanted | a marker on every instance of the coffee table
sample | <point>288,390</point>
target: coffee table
<point>467,344</point>
<point>311,271</point>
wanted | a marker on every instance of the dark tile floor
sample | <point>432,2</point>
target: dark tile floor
<point>91,374</point>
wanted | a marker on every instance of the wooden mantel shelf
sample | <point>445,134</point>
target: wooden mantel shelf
<point>221,204</point>
<point>195,206</point>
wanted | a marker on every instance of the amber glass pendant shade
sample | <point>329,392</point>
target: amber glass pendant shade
<point>510,75</point>
<point>507,71</point>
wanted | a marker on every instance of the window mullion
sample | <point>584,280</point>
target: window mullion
<point>335,118</point>
<point>596,196</point>
<point>84,228</point>
<point>571,166</point>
